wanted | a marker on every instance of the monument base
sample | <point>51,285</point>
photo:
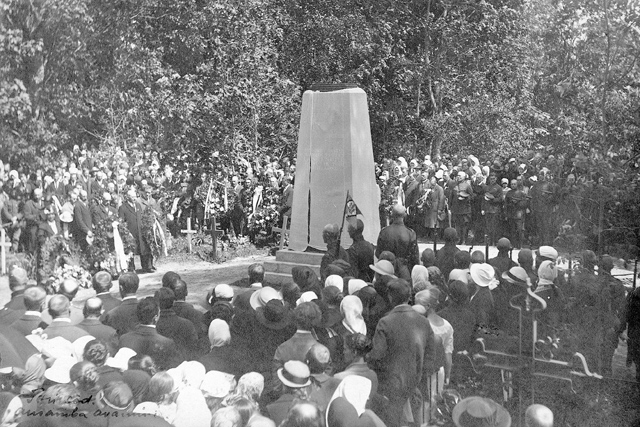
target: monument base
<point>278,272</point>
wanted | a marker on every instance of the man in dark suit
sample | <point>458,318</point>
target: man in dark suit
<point>445,255</point>
<point>34,302</point>
<point>145,339</point>
<point>361,252</point>
<point>169,324</point>
<point>123,318</point>
<point>131,212</point>
<point>101,282</point>
<point>17,284</point>
<point>183,308</point>
<point>82,222</point>
<point>403,351</point>
<point>399,240</point>
<point>59,309</point>
<point>93,326</point>
<point>33,211</point>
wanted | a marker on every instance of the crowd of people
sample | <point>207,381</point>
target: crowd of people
<point>371,342</point>
<point>529,200</point>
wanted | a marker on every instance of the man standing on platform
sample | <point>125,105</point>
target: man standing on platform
<point>330,235</point>
<point>400,240</point>
<point>131,212</point>
<point>361,252</point>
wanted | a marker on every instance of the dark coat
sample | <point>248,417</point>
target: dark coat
<point>444,259</point>
<point>82,223</point>
<point>104,333</point>
<point>147,340</point>
<point>361,255</point>
<point>482,306</point>
<point>403,351</point>
<point>27,323</point>
<point>180,330</point>
<point>65,330</point>
<point>402,242</point>
<point>99,213</point>
<point>109,302</point>
<point>223,359</point>
<point>33,212</point>
<point>122,318</point>
<point>16,302</point>
<point>462,320</point>
<point>189,312</point>
<point>133,217</point>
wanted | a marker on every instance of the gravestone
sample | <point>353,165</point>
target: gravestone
<point>335,156</point>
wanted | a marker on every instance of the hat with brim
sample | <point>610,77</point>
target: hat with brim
<point>548,252</point>
<point>59,371</point>
<point>274,315</point>
<point>497,167</point>
<point>479,411</point>
<point>295,374</point>
<point>66,216</point>
<point>516,276</point>
<point>483,275</point>
<point>384,268</point>
<point>262,296</point>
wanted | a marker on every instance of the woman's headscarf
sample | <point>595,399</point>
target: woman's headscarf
<point>33,375</point>
<point>355,285</point>
<point>351,309</point>
<point>547,273</point>
<point>219,334</point>
<point>420,277</point>
<point>355,389</point>
<point>138,382</point>
<point>334,281</point>
<point>192,409</point>
<point>306,297</point>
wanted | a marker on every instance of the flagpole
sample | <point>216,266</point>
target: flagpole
<point>344,213</point>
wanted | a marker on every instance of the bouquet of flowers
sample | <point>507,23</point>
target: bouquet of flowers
<point>68,271</point>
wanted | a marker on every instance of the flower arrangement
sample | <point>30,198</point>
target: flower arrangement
<point>55,253</point>
<point>100,255</point>
<point>68,271</point>
<point>150,234</point>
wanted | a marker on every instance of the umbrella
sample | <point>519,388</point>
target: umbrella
<point>15,349</point>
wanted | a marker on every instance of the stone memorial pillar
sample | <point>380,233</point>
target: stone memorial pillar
<point>335,155</point>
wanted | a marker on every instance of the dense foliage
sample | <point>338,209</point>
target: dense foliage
<point>204,82</point>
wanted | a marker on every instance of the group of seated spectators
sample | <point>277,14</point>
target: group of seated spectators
<point>339,352</point>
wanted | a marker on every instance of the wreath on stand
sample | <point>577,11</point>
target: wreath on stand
<point>101,254</point>
<point>154,233</point>
<point>61,259</point>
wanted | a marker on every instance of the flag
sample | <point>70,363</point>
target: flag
<point>351,209</point>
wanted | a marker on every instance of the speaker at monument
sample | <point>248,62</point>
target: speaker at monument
<point>335,156</point>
